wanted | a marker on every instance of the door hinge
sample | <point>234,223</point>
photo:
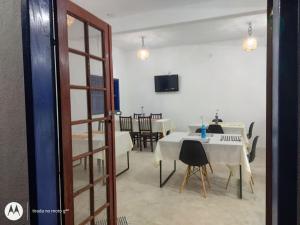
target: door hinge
<point>53,42</point>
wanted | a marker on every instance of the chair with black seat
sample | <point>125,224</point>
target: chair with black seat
<point>156,116</point>
<point>198,130</point>
<point>145,131</point>
<point>215,128</point>
<point>251,157</point>
<point>126,125</point>
<point>192,154</point>
<point>252,153</point>
<point>249,135</point>
<point>217,120</point>
<point>136,115</point>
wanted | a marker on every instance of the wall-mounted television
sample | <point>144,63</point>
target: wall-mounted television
<point>166,83</point>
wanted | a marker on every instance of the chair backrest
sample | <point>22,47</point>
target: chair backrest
<point>198,130</point>
<point>156,115</point>
<point>219,120</point>
<point>101,126</point>
<point>215,128</point>
<point>249,135</point>
<point>125,123</point>
<point>145,123</point>
<point>253,149</point>
<point>192,153</point>
<point>136,115</point>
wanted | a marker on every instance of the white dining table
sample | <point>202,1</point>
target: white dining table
<point>158,125</point>
<point>123,144</point>
<point>224,152</point>
<point>228,128</point>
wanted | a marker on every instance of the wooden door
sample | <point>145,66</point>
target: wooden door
<point>86,105</point>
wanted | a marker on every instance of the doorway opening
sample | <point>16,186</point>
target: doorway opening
<point>177,74</point>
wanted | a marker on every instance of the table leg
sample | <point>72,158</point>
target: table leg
<point>241,183</point>
<point>123,171</point>
<point>103,171</point>
<point>161,182</point>
<point>85,163</point>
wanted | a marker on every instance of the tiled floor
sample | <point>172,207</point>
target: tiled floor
<point>140,199</point>
<point>144,203</point>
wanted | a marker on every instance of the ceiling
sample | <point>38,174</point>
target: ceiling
<point>178,22</point>
<point>199,32</point>
<point>121,8</point>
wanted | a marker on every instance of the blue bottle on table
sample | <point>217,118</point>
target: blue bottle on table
<point>203,131</point>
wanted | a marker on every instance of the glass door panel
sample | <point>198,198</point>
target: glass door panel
<point>75,33</point>
<point>87,120</point>
<point>77,69</point>
<point>97,73</point>
<point>81,208</point>
<point>79,109</point>
<point>95,42</point>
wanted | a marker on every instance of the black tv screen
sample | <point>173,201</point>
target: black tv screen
<point>166,83</point>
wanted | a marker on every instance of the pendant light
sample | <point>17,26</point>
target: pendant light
<point>143,53</point>
<point>250,43</point>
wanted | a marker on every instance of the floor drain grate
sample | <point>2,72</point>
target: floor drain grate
<point>121,221</point>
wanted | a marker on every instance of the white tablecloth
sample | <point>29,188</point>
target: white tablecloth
<point>231,153</point>
<point>228,128</point>
<point>158,125</point>
<point>123,143</point>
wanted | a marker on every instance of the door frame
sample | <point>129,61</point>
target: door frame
<point>64,7</point>
<point>32,9</point>
<point>283,85</point>
<point>40,107</point>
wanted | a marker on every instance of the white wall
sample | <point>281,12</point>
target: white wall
<point>119,64</point>
<point>212,76</point>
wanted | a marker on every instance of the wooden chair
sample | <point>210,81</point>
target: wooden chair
<point>126,125</point>
<point>193,155</point>
<point>145,131</point>
<point>136,115</point>
<point>156,116</point>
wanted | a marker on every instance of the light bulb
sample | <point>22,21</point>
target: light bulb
<point>143,54</point>
<point>250,44</point>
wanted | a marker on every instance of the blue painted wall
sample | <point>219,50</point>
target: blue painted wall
<point>117,95</point>
<point>41,120</point>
